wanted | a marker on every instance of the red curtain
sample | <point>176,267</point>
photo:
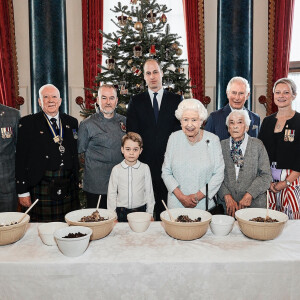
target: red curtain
<point>194,24</point>
<point>8,61</point>
<point>281,15</point>
<point>92,21</point>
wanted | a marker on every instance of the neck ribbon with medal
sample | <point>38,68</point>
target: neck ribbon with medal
<point>58,139</point>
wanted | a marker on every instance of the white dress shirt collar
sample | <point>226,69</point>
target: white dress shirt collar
<point>135,166</point>
<point>243,108</point>
<point>50,117</point>
<point>158,96</point>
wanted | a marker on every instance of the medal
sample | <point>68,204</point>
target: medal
<point>61,149</point>
<point>57,138</point>
<point>6,132</point>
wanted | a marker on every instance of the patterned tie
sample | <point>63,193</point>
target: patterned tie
<point>155,106</point>
<point>53,122</point>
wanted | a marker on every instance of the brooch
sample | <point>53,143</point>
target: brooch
<point>75,135</point>
<point>123,126</point>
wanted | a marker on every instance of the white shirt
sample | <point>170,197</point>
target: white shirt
<point>243,148</point>
<point>243,108</point>
<point>159,96</point>
<point>130,187</point>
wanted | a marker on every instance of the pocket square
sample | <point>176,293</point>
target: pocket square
<point>254,127</point>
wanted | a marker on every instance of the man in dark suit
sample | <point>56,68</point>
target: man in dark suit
<point>9,119</point>
<point>46,159</point>
<point>152,115</point>
<point>238,92</point>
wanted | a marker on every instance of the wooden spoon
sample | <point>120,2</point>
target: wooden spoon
<point>98,202</point>
<point>26,212</point>
<point>268,196</point>
<point>171,217</point>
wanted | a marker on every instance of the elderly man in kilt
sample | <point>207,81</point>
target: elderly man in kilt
<point>47,161</point>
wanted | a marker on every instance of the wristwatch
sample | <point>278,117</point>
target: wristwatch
<point>287,182</point>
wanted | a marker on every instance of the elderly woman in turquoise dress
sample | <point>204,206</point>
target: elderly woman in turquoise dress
<point>193,159</point>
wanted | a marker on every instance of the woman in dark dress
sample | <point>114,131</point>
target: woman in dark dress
<point>280,133</point>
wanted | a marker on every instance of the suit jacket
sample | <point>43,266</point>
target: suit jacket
<point>254,177</point>
<point>35,148</point>
<point>141,119</point>
<point>216,123</point>
<point>9,119</point>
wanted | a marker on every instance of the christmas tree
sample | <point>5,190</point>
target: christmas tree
<point>143,33</point>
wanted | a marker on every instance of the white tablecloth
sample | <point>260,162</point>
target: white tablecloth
<point>152,265</point>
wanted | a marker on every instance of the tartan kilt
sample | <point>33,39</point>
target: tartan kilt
<point>48,210</point>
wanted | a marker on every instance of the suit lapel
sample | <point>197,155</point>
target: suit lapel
<point>163,108</point>
<point>43,130</point>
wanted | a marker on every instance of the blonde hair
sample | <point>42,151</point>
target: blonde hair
<point>133,136</point>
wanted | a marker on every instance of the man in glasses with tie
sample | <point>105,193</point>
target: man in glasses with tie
<point>152,115</point>
<point>47,161</point>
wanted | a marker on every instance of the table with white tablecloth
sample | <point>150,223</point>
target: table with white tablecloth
<point>152,265</point>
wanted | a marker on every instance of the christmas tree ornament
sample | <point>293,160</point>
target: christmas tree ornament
<point>129,63</point>
<point>119,42</point>
<point>136,71</point>
<point>178,51</point>
<point>129,19</point>
<point>163,18</point>
<point>123,90</point>
<point>167,54</point>
<point>138,87</point>
<point>110,62</point>
<point>151,17</point>
<point>175,46</point>
<point>122,105</point>
<point>138,26</point>
<point>152,50</point>
<point>122,20</point>
<point>180,70</point>
<point>133,1</point>
<point>137,51</point>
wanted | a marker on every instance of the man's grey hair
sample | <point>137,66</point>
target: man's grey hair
<point>240,80</point>
<point>109,86</point>
<point>239,112</point>
<point>45,86</point>
<point>289,82</point>
<point>191,104</point>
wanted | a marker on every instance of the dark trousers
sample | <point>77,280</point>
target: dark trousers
<point>122,212</point>
<point>92,200</point>
<point>160,193</point>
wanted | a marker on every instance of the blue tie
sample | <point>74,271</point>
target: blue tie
<point>155,107</point>
<point>53,121</point>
